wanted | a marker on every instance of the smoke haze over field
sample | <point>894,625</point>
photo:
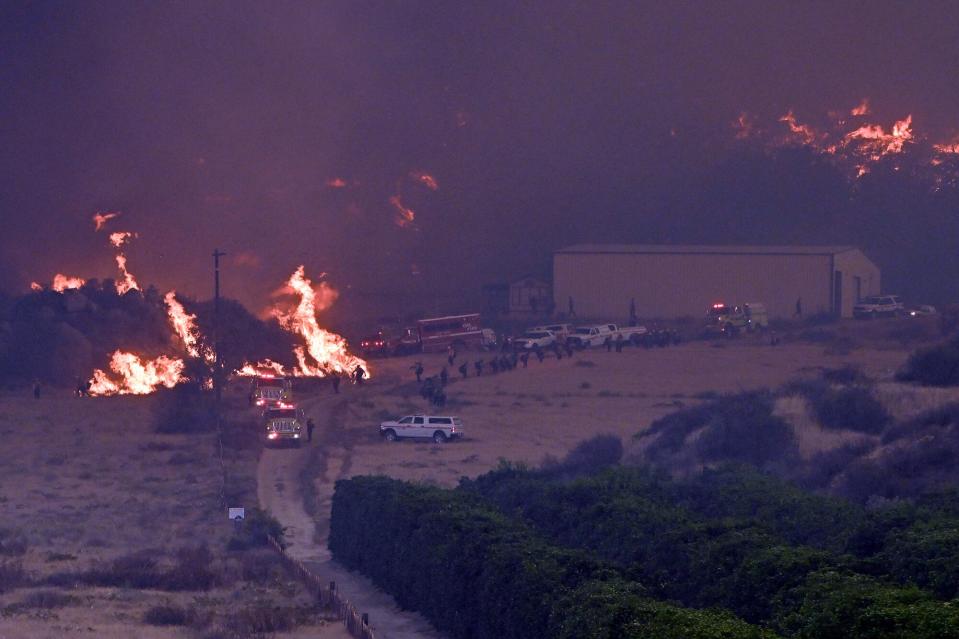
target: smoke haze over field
<point>289,133</point>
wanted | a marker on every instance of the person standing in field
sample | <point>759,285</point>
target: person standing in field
<point>464,369</point>
<point>309,429</point>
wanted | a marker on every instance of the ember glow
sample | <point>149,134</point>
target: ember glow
<point>862,109</point>
<point>324,352</point>
<point>404,215</point>
<point>135,376</point>
<point>425,179</point>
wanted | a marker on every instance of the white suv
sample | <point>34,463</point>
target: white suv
<point>876,305</point>
<point>439,428</point>
<point>536,338</point>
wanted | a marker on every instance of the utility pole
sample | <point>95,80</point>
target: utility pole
<point>217,377</point>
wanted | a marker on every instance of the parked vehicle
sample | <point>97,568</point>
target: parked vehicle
<point>757,319</point>
<point>535,339</point>
<point>878,306</point>
<point>922,310</point>
<point>283,422</point>
<point>388,342</point>
<point>561,331</point>
<point>724,319</point>
<point>267,389</point>
<point>439,428</point>
<point>588,336</point>
<point>633,334</point>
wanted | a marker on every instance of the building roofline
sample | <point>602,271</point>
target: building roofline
<point>701,249</point>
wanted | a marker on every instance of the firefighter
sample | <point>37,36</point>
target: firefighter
<point>418,369</point>
<point>525,359</point>
<point>309,429</point>
<point>451,354</point>
<point>608,343</point>
<point>494,365</point>
<point>359,374</point>
<point>478,365</point>
<point>81,387</point>
<point>464,369</point>
<point>559,353</point>
<point>444,377</point>
<point>539,355</point>
<point>569,350</point>
<point>620,340</point>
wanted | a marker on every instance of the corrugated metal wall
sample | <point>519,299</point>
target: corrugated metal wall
<point>676,285</point>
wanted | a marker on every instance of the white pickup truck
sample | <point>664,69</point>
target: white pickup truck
<point>598,334</point>
<point>439,428</point>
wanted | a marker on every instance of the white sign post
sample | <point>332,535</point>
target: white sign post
<point>237,514</point>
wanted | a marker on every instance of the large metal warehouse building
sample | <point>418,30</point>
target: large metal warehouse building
<point>677,281</point>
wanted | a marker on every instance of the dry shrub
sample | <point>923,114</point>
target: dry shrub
<point>44,600</point>
<point>12,575</point>
<point>261,566</point>
<point>185,408</point>
<point>259,619</point>
<point>935,366</point>
<point>167,615</point>
<point>13,543</point>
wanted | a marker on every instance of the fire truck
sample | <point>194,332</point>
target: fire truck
<point>268,389</point>
<point>283,422</point>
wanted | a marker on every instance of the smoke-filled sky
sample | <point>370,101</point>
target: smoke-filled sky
<point>296,132</point>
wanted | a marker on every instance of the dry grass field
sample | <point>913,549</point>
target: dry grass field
<point>84,483</point>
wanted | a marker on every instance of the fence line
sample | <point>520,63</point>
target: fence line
<point>327,596</point>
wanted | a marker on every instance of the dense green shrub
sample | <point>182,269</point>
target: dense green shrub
<point>934,366</point>
<point>731,538</point>
<point>430,547</point>
<point>618,610</point>
<point>839,605</point>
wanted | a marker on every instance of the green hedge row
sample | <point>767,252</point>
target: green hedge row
<point>476,574</point>
<point>730,541</point>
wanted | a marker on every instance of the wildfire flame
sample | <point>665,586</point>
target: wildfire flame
<point>60,283</point>
<point>405,216</point>
<point>99,219</point>
<point>137,376</point>
<point>128,282</point>
<point>184,325</point>
<point>266,365</point>
<point>336,183</point>
<point>425,179</point>
<point>324,352</point>
<point>857,149</point>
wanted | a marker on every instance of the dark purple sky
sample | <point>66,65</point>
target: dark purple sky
<point>219,123</point>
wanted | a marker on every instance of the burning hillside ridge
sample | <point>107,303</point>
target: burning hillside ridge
<point>321,352</point>
<point>856,143</point>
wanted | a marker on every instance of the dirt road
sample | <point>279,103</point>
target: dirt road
<point>279,489</point>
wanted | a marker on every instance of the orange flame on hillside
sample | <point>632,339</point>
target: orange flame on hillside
<point>324,352</point>
<point>137,376</point>
<point>184,325</point>
<point>803,132</point>
<point>862,109</point>
<point>875,141</point>
<point>261,367</point>
<point>60,283</point>
<point>854,144</point>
